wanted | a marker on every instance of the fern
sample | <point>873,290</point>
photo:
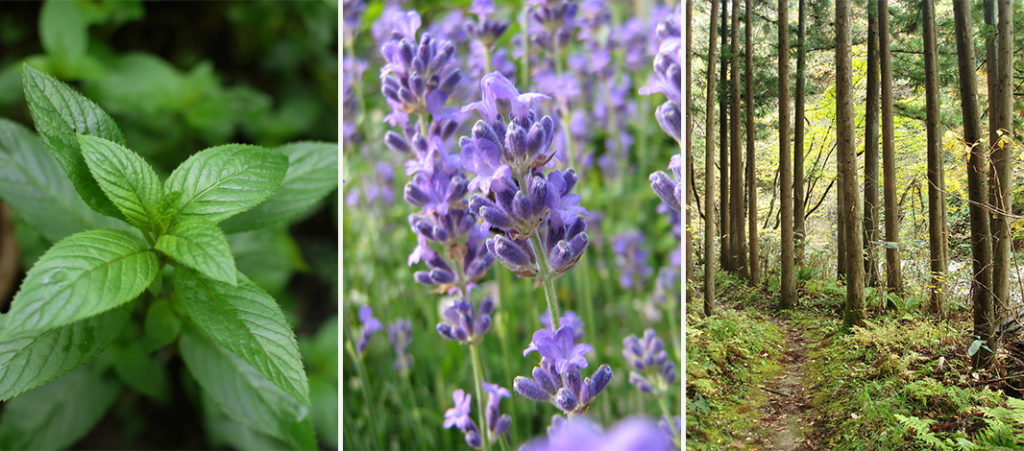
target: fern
<point>922,431</point>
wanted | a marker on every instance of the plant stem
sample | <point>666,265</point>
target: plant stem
<point>477,378</point>
<point>370,407</point>
<point>668,416</point>
<point>487,59</point>
<point>546,280</point>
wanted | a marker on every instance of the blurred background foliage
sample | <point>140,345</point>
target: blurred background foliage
<point>179,77</point>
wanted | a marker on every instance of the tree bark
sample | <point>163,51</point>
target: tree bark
<point>871,152</point>
<point>788,280</point>
<point>1002,161</point>
<point>755,264</point>
<point>977,187</point>
<point>737,197</point>
<point>709,170</point>
<point>799,204</point>
<point>893,274</point>
<point>724,212</point>
<point>854,310</point>
<point>936,204</point>
<point>689,143</point>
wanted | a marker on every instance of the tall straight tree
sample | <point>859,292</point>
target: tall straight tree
<point>854,310</point>
<point>724,213</point>
<point>936,196</point>
<point>755,264</point>
<point>871,152</point>
<point>689,143</point>
<point>893,277</point>
<point>977,187</point>
<point>709,170</point>
<point>788,281</point>
<point>1002,160</point>
<point>799,230</point>
<point>737,197</point>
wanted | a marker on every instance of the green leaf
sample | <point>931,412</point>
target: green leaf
<point>268,256</point>
<point>244,394</point>
<point>63,31</point>
<point>128,181</point>
<point>141,372</point>
<point>30,360</point>
<point>248,322</point>
<point>162,325</point>
<point>35,187</point>
<point>59,112</point>
<point>222,181</point>
<point>312,175</point>
<point>83,275</point>
<point>200,245</point>
<point>222,431</point>
<point>57,415</point>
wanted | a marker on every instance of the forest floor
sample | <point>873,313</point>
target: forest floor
<point>763,378</point>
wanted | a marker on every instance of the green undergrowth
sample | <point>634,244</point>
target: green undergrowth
<point>905,377</point>
<point>728,356</point>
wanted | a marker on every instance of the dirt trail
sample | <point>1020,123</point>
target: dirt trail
<point>786,415</point>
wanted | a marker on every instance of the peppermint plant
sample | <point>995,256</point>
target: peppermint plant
<point>143,266</point>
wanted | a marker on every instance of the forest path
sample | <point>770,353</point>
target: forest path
<point>787,412</point>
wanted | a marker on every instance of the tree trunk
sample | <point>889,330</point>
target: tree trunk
<point>1001,101</point>
<point>725,214</point>
<point>893,277</point>
<point>936,206</point>
<point>689,143</point>
<point>871,153</point>
<point>799,205</point>
<point>736,198</point>
<point>755,264</point>
<point>977,187</point>
<point>709,170</point>
<point>854,310</point>
<point>788,280</point>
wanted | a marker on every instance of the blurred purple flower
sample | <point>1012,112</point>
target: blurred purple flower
<point>631,259</point>
<point>497,423</point>
<point>463,323</point>
<point>400,336</point>
<point>631,434</point>
<point>648,358</point>
<point>370,325</point>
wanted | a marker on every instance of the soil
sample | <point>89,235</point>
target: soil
<point>787,418</point>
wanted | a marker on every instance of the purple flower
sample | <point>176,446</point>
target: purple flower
<point>495,89</point>
<point>418,78</point>
<point>458,416</point>
<point>631,434</point>
<point>631,259</point>
<point>498,424</point>
<point>648,358</point>
<point>560,348</point>
<point>563,203</point>
<point>463,323</point>
<point>370,326</point>
<point>400,336</point>
<point>568,391</point>
<point>552,23</point>
<point>673,428</point>
<point>569,319</point>
<point>667,77</point>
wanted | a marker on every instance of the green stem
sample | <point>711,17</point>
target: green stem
<point>588,301</point>
<point>477,378</point>
<point>547,281</point>
<point>370,407</point>
<point>487,59</point>
<point>668,416</point>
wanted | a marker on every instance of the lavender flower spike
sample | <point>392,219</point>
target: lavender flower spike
<point>371,326</point>
<point>458,416</point>
<point>558,346</point>
<point>497,423</point>
<point>669,189</point>
<point>463,323</point>
<point>667,78</point>
<point>400,335</point>
<point>569,319</point>
<point>654,372</point>
<point>631,434</point>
